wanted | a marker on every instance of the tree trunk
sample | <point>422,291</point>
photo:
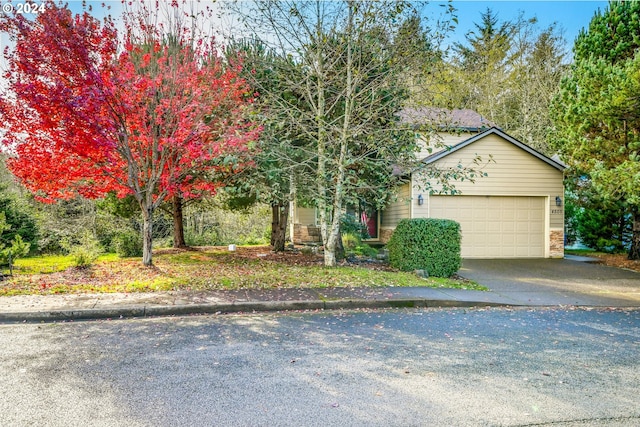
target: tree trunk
<point>147,236</point>
<point>330,256</point>
<point>178,223</point>
<point>339,247</point>
<point>634,250</point>
<point>279,219</point>
<point>275,221</point>
<point>333,233</point>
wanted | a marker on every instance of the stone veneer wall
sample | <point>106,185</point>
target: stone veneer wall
<point>306,234</point>
<point>556,243</point>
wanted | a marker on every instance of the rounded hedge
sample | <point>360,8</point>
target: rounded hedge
<point>426,244</point>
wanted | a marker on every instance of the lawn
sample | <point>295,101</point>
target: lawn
<point>211,268</point>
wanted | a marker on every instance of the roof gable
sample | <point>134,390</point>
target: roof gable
<point>441,154</point>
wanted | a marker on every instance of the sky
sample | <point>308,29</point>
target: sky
<point>569,15</point>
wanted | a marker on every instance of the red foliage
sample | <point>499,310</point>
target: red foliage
<point>82,117</point>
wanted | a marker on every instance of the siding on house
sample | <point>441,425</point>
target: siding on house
<point>304,216</point>
<point>513,172</point>
<point>397,210</point>
<point>303,227</point>
<point>451,139</point>
<point>394,212</point>
<point>442,138</point>
<point>417,189</point>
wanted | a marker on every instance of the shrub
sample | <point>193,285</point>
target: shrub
<point>207,224</point>
<point>605,229</point>
<point>108,227</point>
<point>85,251</point>
<point>19,219</point>
<point>349,224</point>
<point>128,244</point>
<point>365,250</point>
<point>426,244</point>
<point>350,241</point>
<point>18,249</point>
<point>353,245</point>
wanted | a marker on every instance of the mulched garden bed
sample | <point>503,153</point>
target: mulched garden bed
<point>301,257</point>
<point>617,260</point>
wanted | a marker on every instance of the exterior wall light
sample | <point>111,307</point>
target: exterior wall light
<point>420,200</point>
<point>558,201</point>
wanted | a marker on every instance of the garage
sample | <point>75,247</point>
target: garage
<point>495,226</point>
<point>510,203</point>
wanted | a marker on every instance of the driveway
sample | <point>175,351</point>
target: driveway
<point>552,281</point>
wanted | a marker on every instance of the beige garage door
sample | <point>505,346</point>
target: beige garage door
<point>495,226</point>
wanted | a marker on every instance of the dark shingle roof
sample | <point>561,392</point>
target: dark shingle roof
<point>446,119</point>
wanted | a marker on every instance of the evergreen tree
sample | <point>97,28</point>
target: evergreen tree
<point>483,65</point>
<point>508,71</point>
<point>596,113</point>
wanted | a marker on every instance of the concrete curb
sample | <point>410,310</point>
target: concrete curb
<point>238,307</point>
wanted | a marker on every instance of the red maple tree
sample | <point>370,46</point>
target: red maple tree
<point>83,117</point>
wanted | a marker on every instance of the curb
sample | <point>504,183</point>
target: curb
<point>240,307</point>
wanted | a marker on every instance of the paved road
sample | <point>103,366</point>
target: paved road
<point>495,367</point>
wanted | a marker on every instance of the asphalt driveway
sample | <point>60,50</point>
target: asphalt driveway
<point>547,281</point>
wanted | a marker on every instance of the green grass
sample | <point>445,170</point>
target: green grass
<point>52,263</point>
<point>580,252</point>
<point>211,269</point>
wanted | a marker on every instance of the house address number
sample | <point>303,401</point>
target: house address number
<point>556,211</point>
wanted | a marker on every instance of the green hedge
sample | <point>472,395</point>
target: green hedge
<point>426,244</point>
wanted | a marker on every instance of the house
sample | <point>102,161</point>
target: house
<point>515,211</point>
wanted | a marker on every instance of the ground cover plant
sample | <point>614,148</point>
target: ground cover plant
<point>209,268</point>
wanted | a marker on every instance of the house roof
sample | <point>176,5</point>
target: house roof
<point>439,155</point>
<point>446,119</point>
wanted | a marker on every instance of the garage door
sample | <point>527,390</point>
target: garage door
<point>495,226</point>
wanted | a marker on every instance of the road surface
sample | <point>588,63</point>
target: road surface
<point>479,367</point>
